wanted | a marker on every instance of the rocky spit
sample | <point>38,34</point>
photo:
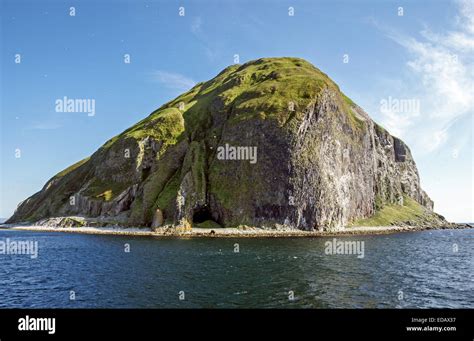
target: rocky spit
<point>242,231</point>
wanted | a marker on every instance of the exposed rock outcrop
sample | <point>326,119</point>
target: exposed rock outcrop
<point>321,162</point>
<point>157,219</point>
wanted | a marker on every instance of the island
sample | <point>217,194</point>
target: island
<point>270,147</point>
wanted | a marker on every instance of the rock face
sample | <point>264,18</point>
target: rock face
<point>157,219</point>
<point>320,161</point>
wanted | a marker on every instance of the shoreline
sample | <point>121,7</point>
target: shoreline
<point>230,232</point>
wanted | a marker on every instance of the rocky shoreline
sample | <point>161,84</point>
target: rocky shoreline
<point>251,232</point>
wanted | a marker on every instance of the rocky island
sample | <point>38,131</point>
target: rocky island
<point>305,157</point>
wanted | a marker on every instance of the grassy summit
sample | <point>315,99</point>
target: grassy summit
<point>260,89</point>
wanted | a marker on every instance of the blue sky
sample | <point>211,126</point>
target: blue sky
<point>425,55</point>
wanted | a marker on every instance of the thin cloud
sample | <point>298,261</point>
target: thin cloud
<point>442,67</point>
<point>397,123</point>
<point>174,81</point>
<point>207,44</point>
<point>196,25</point>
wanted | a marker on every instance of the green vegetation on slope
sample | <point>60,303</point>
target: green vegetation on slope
<point>261,89</point>
<point>71,168</point>
<point>168,194</point>
<point>105,190</point>
<point>348,106</point>
<point>164,124</point>
<point>410,212</point>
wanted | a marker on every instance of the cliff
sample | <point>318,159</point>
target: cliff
<point>269,143</point>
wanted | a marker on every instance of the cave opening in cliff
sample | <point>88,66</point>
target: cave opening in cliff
<point>201,215</point>
<point>145,173</point>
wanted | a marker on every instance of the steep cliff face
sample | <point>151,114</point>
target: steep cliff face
<point>273,142</point>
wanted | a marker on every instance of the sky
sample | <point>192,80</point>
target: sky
<point>415,56</point>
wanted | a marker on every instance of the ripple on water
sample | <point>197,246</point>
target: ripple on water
<point>264,273</point>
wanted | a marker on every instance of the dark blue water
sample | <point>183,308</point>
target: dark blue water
<point>405,270</point>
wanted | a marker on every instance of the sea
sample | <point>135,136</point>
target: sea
<point>426,269</point>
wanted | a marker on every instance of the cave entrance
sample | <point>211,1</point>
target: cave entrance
<point>201,215</point>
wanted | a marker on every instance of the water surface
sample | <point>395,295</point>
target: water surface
<point>404,270</point>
